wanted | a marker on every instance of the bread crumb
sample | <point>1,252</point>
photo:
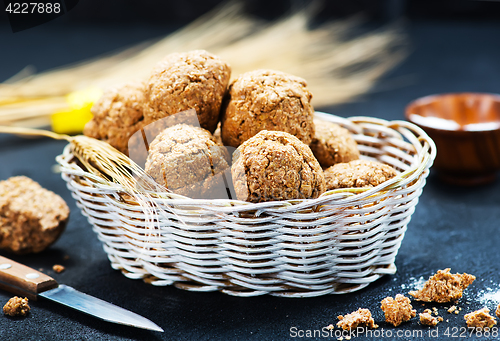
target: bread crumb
<point>440,319</point>
<point>480,319</point>
<point>452,309</point>
<point>498,310</point>
<point>443,287</point>
<point>427,311</point>
<point>456,312</point>
<point>58,268</point>
<point>397,310</point>
<point>16,306</point>
<point>330,327</point>
<point>359,318</point>
<point>347,337</point>
<point>428,320</point>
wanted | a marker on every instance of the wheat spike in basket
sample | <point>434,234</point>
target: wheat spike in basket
<point>337,243</point>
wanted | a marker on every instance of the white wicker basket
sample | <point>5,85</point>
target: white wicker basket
<point>337,243</point>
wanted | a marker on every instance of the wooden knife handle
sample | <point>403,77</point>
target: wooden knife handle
<point>15,276</point>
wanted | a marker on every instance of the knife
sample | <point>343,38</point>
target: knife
<point>18,278</point>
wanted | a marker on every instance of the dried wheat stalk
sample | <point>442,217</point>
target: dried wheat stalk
<point>337,69</point>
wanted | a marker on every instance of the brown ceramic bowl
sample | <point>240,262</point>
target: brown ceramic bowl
<point>466,130</point>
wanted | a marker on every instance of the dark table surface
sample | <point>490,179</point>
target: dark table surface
<point>451,227</point>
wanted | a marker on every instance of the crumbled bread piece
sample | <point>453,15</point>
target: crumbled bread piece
<point>498,310</point>
<point>58,268</point>
<point>443,287</point>
<point>452,309</point>
<point>359,318</point>
<point>428,320</point>
<point>440,319</point>
<point>348,337</point>
<point>330,327</point>
<point>16,306</point>
<point>456,312</point>
<point>31,217</point>
<point>480,319</point>
<point>397,310</point>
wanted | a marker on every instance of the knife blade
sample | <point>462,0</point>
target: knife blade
<point>16,277</point>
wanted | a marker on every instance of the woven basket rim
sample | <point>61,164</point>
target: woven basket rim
<point>426,149</point>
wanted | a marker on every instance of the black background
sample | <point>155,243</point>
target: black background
<point>91,12</point>
<point>455,47</point>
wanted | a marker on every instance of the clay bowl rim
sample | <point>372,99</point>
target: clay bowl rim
<point>457,131</point>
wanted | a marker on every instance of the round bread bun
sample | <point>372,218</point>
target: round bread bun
<point>333,144</point>
<point>275,165</point>
<point>188,161</point>
<point>358,173</point>
<point>117,115</point>
<point>192,80</point>
<point>267,100</point>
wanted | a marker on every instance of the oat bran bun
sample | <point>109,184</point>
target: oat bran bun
<point>188,161</point>
<point>275,165</point>
<point>267,100</point>
<point>192,80</point>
